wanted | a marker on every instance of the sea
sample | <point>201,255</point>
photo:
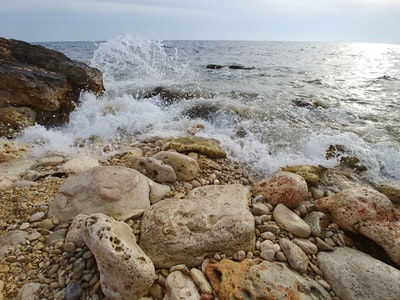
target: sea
<point>270,104</point>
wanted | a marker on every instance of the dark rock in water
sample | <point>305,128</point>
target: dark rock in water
<point>205,111</point>
<point>303,103</point>
<point>169,95</point>
<point>239,67</point>
<point>43,80</point>
<point>214,67</point>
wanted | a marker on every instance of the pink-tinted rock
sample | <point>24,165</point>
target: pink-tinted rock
<point>367,212</point>
<point>258,279</point>
<point>283,187</point>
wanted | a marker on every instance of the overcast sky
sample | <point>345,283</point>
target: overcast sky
<point>273,20</point>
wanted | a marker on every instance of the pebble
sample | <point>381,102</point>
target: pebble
<point>268,254</point>
<point>259,209</point>
<point>291,222</point>
<point>201,281</point>
<point>36,216</point>
<point>267,235</point>
<point>73,291</point>
<point>306,245</point>
<point>24,226</point>
<point>34,236</point>
<point>296,257</point>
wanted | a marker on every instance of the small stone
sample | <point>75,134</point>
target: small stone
<point>69,247</point>
<point>34,236</point>
<point>73,291</point>
<point>4,268</point>
<point>280,256</point>
<point>24,226</point>
<point>260,209</point>
<point>291,222</point>
<point>267,235</point>
<point>46,224</point>
<point>201,281</point>
<point>37,216</point>
<point>324,246</point>
<point>268,254</point>
<point>296,257</point>
<point>239,256</point>
<point>306,245</point>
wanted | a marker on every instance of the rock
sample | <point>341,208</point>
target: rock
<point>73,291</point>
<point>79,164</point>
<point>112,190</point>
<point>209,147</point>
<point>185,167</point>
<point>74,232</point>
<point>29,291</point>
<point>126,272</point>
<point>392,191</point>
<point>201,281</point>
<point>46,81</point>
<point>291,222</point>
<point>210,219</point>
<point>10,240</point>
<point>311,174</point>
<point>155,169</point>
<point>256,279</point>
<point>180,286</point>
<point>260,209</point>
<point>296,257</point>
<point>214,66</point>
<point>368,212</point>
<point>318,223</point>
<point>306,245</point>
<point>14,119</point>
<point>283,187</point>
<point>355,275</point>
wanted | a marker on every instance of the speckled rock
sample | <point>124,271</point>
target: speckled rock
<point>368,212</point>
<point>112,190</point>
<point>257,279</point>
<point>185,167</point>
<point>283,187</point>
<point>209,147</point>
<point>355,275</point>
<point>180,286</point>
<point>291,222</point>
<point>210,219</point>
<point>126,272</point>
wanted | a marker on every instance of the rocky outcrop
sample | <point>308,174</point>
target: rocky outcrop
<point>40,85</point>
<point>368,212</point>
<point>112,190</point>
<point>355,275</point>
<point>210,219</point>
<point>257,279</point>
<point>286,188</point>
<point>126,272</point>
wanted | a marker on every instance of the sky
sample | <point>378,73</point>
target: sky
<point>376,21</point>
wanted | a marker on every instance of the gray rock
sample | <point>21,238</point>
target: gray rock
<point>355,275</point>
<point>185,167</point>
<point>306,245</point>
<point>291,222</point>
<point>180,286</point>
<point>11,240</point>
<point>126,272</point>
<point>73,291</point>
<point>112,190</point>
<point>156,169</point>
<point>210,219</point>
<point>318,222</point>
<point>296,257</point>
<point>79,164</point>
<point>29,291</point>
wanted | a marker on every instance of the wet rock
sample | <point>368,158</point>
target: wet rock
<point>283,187</point>
<point>256,279</point>
<point>355,275</point>
<point>368,212</point>
<point>209,147</point>
<point>126,272</point>
<point>291,222</point>
<point>46,81</point>
<point>185,167</point>
<point>296,257</point>
<point>214,66</point>
<point>210,219</point>
<point>180,286</point>
<point>113,190</point>
<point>311,174</point>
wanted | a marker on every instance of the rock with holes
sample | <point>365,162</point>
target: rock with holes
<point>185,167</point>
<point>286,188</point>
<point>112,190</point>
<point>126,272</point>
<point>155,169</point>
<point>211,218</point>
<point>258,279</point>
<point>366,211</point>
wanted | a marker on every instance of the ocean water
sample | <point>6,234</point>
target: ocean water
<point>285,104</point>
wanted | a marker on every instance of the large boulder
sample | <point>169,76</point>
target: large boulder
<point>210,219</point>
<point>368,212</point>
<point>112,190</point>
<point>355,275</point>
<point>46,83</point>
<point>257,279</point>
<point>126,272</point>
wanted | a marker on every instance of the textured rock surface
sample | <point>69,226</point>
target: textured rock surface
<point>296,257</point>
<point>210,219</point>
<point>80,163</point>
<point>209,147</point>
<point>253,279</point>
<point>44,80</point>
<point>126,272</point>
<point>283,187</point>
<point>354,275</point>
<point>311,174</point>
<point>180,286</point>
<point>112,190</point>
<point>291,222</point>
<point>185,167</point>
<point>368,212</point>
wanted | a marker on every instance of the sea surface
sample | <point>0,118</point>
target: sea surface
<point>270,104</point>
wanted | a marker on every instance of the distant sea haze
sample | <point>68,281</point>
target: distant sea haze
<point>283,103</point>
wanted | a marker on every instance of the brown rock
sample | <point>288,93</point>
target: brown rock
<point>209,147</point>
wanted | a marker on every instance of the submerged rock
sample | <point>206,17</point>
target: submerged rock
<point>286,188</point>
<point>112,190</point>
<point>210,219</point>
<point>126,272</point>
<point>355,275</point>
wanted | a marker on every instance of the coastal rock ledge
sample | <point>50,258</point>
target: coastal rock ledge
<point>39,85</point>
